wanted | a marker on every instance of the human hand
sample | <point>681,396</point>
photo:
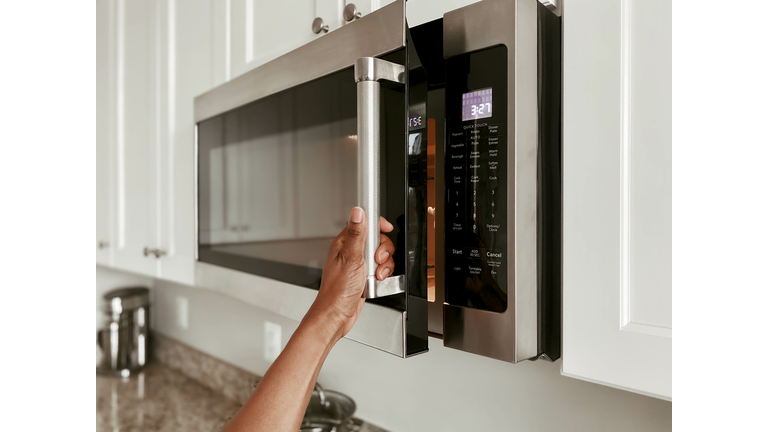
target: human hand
<point>340,300</point>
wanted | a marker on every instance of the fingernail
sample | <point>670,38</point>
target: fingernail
<point>385,273</point>
<point>356,216</point>
<point>384,257</point>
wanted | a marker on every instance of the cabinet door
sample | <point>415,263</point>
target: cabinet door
<point>105,126</point>
<point>617,194</point>
<point>187,68</point>
<point>261,30</point>
<point>136,169</point>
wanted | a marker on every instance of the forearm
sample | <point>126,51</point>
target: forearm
<point>279,402</point>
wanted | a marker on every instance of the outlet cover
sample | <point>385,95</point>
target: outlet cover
<point>272,340</point>
<point>182,312</point>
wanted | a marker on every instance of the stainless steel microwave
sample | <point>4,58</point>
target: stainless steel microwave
<point>451,130</point>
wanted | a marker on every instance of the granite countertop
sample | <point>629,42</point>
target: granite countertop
<point>182,389</point>
<point>159,399</point>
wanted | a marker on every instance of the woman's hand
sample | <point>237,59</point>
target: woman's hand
<point>280,400</point>
<point>340,301</point>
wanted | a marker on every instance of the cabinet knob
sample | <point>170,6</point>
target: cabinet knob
<point>318,25</point>
<point>156,252</point>
<point>103,244</point>
<point>351,13</point>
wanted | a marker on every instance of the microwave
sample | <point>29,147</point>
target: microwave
<point>451,130</point>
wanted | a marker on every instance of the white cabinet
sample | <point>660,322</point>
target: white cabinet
<point>259,30</point>
<point>193,41</point>
<point>136,159</point>
<point>105,126</point>
<point>153,58</point>
<point>617,194</point>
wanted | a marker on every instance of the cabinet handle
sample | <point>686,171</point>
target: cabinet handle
<point>156,252</point>
<point>351,13</point>
<point>103,244</point>
<point>318,25</point>
<point>368,72</point>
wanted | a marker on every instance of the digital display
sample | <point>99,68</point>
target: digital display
<point>417,116</point>
<point>477,104</point>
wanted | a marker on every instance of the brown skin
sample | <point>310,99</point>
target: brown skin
<point>279,402</point>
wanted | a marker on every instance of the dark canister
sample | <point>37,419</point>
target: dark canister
<point>125,340</point>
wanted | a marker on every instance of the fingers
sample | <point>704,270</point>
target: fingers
<point>386,269</point>
<point>385,225</point>
<point>354,238</point>
<point>385,250</point>
<point>384,258</point>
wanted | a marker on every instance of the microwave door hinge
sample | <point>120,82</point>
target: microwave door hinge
<point>368,72</point>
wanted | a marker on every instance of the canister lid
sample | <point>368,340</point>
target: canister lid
<point>123,299</point>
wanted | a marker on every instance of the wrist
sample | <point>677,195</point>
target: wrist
<point>322,324</point>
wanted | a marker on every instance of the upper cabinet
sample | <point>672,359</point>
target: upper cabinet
<point>153,58</point>
<point>617,194</point>
<point>105,126</point>
<point>259,31</point>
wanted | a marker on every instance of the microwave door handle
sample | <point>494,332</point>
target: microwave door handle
<point>368,72</point>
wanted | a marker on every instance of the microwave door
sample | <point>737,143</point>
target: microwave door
<point>282,157</point>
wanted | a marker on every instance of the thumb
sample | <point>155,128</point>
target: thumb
<point>355,235</point>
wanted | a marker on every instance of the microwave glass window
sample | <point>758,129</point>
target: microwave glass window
<point>278,177</point>
<point>477,104</point>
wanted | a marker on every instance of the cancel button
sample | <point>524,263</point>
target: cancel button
<point>494,254</point>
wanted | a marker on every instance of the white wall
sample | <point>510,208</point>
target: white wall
<point>442,390</point>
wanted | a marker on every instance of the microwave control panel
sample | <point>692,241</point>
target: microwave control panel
<point>476,148</point>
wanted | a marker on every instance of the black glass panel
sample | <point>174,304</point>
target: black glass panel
<point>476,264</point>
<point>278,178</point>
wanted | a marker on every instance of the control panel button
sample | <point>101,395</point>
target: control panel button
<point>495,130</point>
<point>493,141</point>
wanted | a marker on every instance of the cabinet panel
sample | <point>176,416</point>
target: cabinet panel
<point>105,126</point>
<point>187,69</point>
<point>647,168</point>
<point>263,30</point>
<point>617,194</point>
<point>136,156</point>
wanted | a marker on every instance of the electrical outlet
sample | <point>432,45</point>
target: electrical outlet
<point>272,340</point>
<point>182,312</point>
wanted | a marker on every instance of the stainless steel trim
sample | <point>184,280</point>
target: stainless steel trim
<point>512,335</point>
<point>373,35</point>
<point>549,4</point>
<point>390,286</point>
<point>377,326</point>
<point>197,209</point>
<point>373,69</point>
<point>368,72</point>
